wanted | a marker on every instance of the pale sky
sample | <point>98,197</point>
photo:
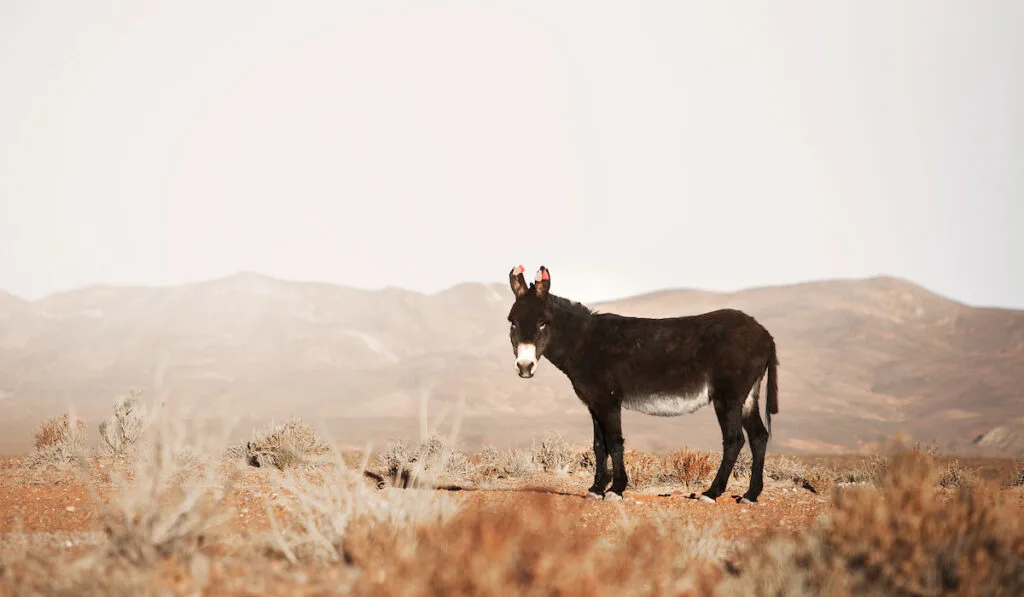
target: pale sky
<point>629,147</point>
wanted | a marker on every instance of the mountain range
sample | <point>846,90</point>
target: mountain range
<point>860,360</point>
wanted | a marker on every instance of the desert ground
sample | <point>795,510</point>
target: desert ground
<point>159,508</point>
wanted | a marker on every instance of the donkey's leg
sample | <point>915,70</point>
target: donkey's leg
<point>758,436</point>
<point>611,428</point>
<point>600,461</point>
<point>727,407</point>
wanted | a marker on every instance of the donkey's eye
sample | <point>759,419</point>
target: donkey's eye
<point>542,325</point>
<point>514,326</point>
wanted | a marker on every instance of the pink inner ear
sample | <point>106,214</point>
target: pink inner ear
<point>544,275</point>
<point>519,270</point>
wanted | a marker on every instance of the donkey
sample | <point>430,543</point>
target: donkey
<point>662,367</point>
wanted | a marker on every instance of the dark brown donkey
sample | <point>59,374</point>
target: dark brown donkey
<point>662,367</point>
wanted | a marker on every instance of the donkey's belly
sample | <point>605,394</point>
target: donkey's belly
<point>668,405</point>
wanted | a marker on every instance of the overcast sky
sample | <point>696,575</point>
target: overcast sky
<point>628,147</point>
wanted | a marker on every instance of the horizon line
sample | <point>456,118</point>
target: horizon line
<point>652,291</point>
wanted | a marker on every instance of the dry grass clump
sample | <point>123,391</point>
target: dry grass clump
<point>784,468</point>
<point>122,431</point>
<point>875,468</point>
<point>906,539</point>
<point>174,503</point>
<point>168,515</point>
<point>584,459</point>
<point>956,475</point>
<point>530,548</point>
<point>424,464</point>
<point>509,463</point>
<point>59,430</point>
<point>283,446</point>
<point>554,455</point>
<point>60,443</point>
<point>744,464</point>
<point>441,455</point>
<point>693,466</point>
<point>320,507</point>
<point>391,460</point>
<point>820,478</point>
<point>645,470</point>
<point>1017,478</point>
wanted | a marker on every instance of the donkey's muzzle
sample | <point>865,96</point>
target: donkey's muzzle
<point>526,360</point>
<point>526,369</point>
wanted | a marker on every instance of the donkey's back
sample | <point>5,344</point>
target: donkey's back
<point>726,339</point>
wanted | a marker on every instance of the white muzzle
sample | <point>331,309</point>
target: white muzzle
<point>526,360</point>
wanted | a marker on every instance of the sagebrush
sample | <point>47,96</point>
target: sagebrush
<point>283,445</point>
<point>554,455</point>
<point>59,443</point>
<point>507,463</point>
<point>423,464</point>
<point>122,431</point>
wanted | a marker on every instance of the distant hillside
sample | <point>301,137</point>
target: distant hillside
<point>860,359</point>
<point>8,303</point>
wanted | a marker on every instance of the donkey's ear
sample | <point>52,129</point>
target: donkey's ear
<point>543,284</point>
<point>517,281</point>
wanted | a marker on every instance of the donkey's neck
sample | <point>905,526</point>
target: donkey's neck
<point>570,326</point>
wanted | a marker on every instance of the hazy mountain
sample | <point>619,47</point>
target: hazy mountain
<point>860,360</point>
<point>8,303</point>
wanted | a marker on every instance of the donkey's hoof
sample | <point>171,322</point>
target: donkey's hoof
<point>594,496</point>
<point>706,499</point>
<point>745,501</point>
<point>611,496</point>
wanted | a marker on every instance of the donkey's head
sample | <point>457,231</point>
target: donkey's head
<point>529,317</point>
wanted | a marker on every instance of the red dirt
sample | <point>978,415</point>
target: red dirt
<point>56,505</point>
<point>52,502</point>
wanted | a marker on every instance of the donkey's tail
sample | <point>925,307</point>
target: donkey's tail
<point>772,386</point>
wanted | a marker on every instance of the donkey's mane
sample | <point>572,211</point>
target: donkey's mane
<point>573,307</point>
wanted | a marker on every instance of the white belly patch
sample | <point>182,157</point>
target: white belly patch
<point>668,405</point>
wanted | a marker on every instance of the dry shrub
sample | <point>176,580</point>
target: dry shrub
<point>424,464</point>
<point>693,466</point>
<point>165,518</point>
<point>904,539</point>
<point>876,467</point>
<point>122,431</point>
<point>645,470</point>
<point>284,446</point>
<point>1017,477</point>
<point>554,455</point>
<point>509,463</point>
<point>391,460</point>
<point>320,507</point>
<point>866,470</point>
<point>862,470</point>
<point>784,468</point>
<point>173,503</point>
<point>532,548</point>
<point>440,455</point>
<point>956,475</point>
<point>59,443</point>
<point>744,464</point>
<point>820,478</point>
<point>584,460</point>
<point>51,572</point>
<point>58,430</point>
